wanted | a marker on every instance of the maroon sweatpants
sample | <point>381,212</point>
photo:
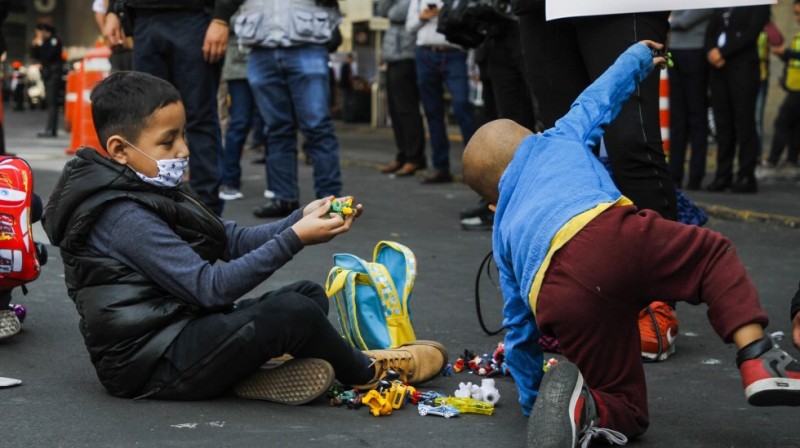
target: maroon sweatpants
<point>599,281</point>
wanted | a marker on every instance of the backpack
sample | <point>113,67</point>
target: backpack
<point>19,263</point>
<point>469,22</point>
<point>372,298</point>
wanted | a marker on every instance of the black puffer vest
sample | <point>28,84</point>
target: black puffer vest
<point>127,321</point>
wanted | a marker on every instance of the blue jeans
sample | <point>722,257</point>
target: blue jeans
<point>164,40</point>
<point>241,112</point>
<point>291,84</point>
<point>435,69</point>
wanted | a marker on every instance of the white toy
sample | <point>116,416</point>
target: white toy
<point>489,392</point>
<point>486,392</point>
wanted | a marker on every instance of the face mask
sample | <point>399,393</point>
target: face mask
<point>170,171</point>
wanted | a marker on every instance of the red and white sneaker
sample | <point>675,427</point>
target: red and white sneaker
<point>565,412</point>
<point>658,328</point>
<point>770,376</point>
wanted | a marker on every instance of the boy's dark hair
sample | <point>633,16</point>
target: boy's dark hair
<point>122,103</point>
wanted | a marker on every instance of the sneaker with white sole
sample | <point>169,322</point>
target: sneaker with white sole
<point>658,329</point>
<point>565,412</point>
<point>269,194</point>
<point>228,193</point>
<point>770,376</point>
<point>294,382</point>
<point>9,324</point>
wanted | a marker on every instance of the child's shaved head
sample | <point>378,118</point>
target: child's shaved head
<point>488,153</point>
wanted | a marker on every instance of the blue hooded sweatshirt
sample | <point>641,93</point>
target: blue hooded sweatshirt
<point>552,188</point>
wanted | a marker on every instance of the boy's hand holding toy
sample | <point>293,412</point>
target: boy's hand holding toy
<point>322,220</point>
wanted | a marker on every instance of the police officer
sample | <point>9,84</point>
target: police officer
<point>46,48</point>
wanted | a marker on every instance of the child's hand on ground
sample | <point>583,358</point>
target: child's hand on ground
<point>320,225</point>
<point>779,50</point>
<point>796,330</point>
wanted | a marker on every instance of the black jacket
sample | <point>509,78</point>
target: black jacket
<point>742,26</point>
<point>221,9</point>
<point>126,320</point>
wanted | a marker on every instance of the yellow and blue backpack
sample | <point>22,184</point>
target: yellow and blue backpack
<point>372,298</point>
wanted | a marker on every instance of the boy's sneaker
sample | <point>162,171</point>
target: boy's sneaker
<point>658,328</point>
<point>228,193</point>
<point>770,376</point>
<point>294,382</point>
<point>415,362</point>
<point>9,324</point>
<point>565,413</point>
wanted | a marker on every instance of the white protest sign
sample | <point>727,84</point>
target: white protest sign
<point>557,9</point>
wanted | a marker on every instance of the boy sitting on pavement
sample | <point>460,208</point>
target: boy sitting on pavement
<point>578,261</point>
<point>158,315</point>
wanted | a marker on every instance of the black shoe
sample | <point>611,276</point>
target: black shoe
<point>480,222</point>
<point>719,185</point>
<point>745,185</point>
<point>46,134</point>
<point>276,208</point>
<point>481,209</point>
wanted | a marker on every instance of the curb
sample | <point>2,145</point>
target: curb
<point>722,212</point>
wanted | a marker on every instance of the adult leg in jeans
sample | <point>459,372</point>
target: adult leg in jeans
<point>306,72</point>
<point>217,351</point>
<point>273,96</point>
<point>429,78</point>
<point>163,43</point>
<point>458,86</point>
<point>241,118</point>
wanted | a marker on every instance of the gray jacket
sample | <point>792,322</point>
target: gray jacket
<point>398,44</point>
<point>235,66</point>
<point>688,28</point>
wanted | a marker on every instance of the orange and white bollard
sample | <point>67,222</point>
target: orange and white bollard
<point>663,109</point>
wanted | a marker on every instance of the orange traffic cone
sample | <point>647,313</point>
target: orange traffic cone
<point>70,98</point>
<point>94,68</point>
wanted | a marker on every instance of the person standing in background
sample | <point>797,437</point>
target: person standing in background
<point>402,91</point>
<point>121,56</point>
<point>46,48</point>
<point>733,54</point>
<point>688,95</point>
<point>439,63</point>
<point>183,42</point>
<point>346,86</point>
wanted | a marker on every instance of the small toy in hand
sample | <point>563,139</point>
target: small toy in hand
<point>343,206</point>
<point>666,55</point>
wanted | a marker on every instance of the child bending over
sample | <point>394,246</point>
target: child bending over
<point>578,261</point>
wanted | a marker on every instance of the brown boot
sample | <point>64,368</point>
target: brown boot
<point>391,168</point>
<point>407,169</point>
<point>415,362</point>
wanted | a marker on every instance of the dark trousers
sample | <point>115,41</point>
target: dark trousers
<point>215,352</point>
<point>564,56</point>
<point>508,78</point>
<point>168,45</point>
<point>52,83</point>
<point>787,129</point>
<point>403,95</point>
<point>599,281</point>
<point>734,89</point>
<point>688,114</point>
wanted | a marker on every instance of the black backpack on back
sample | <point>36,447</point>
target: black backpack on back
<point>469,22</point>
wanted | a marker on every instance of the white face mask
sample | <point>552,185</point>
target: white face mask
<point>170,171</point>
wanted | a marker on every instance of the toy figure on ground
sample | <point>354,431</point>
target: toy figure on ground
<point>159,316</point>
<point>574,253</point>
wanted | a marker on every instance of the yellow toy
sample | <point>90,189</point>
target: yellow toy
<point>466,405</point>
<point>343,206</point>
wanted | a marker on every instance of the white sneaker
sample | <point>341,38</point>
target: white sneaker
<point>766,172</point>
<point>269,194</point>
<point>228,193</point>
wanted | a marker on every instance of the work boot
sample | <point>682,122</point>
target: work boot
<point>415,362</point>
